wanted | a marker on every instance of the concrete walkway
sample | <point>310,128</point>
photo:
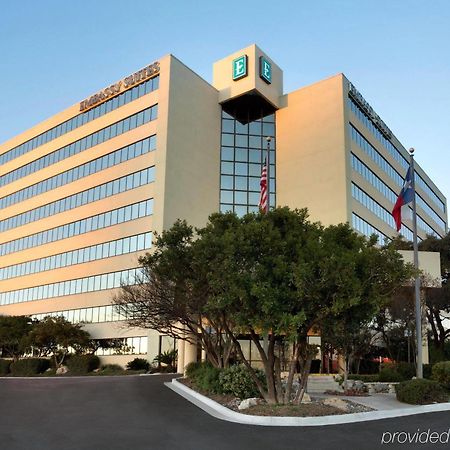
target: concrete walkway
<point>379,402</point>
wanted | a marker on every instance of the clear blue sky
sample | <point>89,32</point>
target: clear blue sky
<point>397,53</point>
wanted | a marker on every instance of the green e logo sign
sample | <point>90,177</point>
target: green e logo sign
<point>240,67</point>
<point>265,70</point>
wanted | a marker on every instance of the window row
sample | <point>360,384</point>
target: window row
<point>131,181</point>
<point>133,346</point>
<point>241,198</point>
<point>242,140</point>
<point>244,169</point>
<point>103,220</point>
<point>111,159</point>
<point>376,182</point>
<point>71,287</point>
<point>95,314</point>
<point>261,129</point>
<point>367,230</point>
<point>244,183</point>
<point>131,122</point>
<point>108,249</point>
<point>81,119</point>
<point>377,134</point>
<point>382,213</point>
<point>242,210</point>
<point>425,227</point>
<point>384,165</point>
<point>246,155</point>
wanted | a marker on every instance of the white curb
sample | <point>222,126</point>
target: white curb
<point>221,412</point>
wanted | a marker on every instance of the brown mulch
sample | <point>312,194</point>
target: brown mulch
<point>313,409</point>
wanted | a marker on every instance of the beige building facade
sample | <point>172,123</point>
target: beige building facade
<point>84,191</point>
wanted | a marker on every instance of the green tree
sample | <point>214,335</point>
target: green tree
<point>274,275</point>
<point>14,335</point>
<point>280,275</point>
<point>172,293</point>
<point>55,336</point>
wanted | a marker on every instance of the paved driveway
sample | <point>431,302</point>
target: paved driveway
<point>135,413</point>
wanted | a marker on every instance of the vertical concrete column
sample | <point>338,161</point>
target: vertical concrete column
<point>341,364</point>
<point>180,359</point>
<point>425,352</point>
<point>152,345</point>
<point>190,354</point>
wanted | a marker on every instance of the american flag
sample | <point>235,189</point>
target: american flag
<point>263,197</point>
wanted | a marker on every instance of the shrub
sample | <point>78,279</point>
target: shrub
<point>138,364</point>
<point>237,380</point>
<point>204,376</point>
<point>111,369</point>
<point>167,358</point>
<point>441,373</point>
<point>420,392</point>
<point>29,366</point>
<point>192,369</point>
<point>406,370</point>
<point>389,374</point>
<point>427,370</point>
<point>365,378</point>
<point>4,366</point>
<point>207,379</point>
<point>367,367</point>
<point>82,364</point>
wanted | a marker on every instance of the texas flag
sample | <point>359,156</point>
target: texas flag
<point>406,196</point>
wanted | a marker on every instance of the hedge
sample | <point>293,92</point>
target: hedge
<point>237,380</point>
<point>204,376</point>
<point>82,364</point>
<point>29,366</point>
<point>138,364</point>
<point>4,366</point>
<point>420,392</point>
<point>441,373</point>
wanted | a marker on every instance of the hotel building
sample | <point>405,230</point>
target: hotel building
<point>83,191</point>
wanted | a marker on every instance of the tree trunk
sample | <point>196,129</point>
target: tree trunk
<point>304,380</point>
<point>292,366</point>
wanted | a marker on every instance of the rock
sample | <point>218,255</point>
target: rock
<point>392,389</point>
<point>61,370</point>
<point>306,398</point>
<point>337,403</point>
<point>247,403</point>
<point>371,389</point>
<point>359,386</point>
<point>350,384</point>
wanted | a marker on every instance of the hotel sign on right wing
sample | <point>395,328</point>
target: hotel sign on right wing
<point>265,70</point>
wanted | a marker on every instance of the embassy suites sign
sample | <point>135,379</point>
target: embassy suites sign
<point>368,111</point>
<point>111,91</point>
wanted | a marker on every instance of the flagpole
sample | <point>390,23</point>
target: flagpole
<point>418,306</point>
<point>268,139</point>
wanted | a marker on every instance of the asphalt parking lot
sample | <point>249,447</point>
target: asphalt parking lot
<point>134,413</point>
